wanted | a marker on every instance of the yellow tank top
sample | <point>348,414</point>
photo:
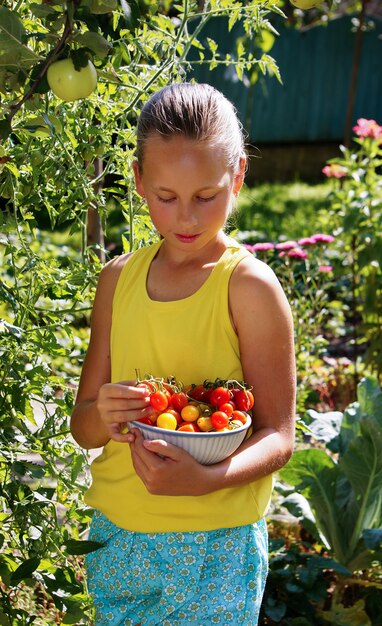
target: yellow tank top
<point>193,340</point>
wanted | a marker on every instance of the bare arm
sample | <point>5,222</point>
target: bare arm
<point>264,324</point>
<point>102,408</point>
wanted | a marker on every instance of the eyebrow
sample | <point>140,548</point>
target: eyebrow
<point>207,188</point>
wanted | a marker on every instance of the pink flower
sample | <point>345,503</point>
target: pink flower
<point>263,246</point>
<point>368,128</point>
<point>297,253</point>
<point>325,268</point>
<point>334,171</point>
<point>306,241</point>
<point>286,245</point>
<point>322,238</point>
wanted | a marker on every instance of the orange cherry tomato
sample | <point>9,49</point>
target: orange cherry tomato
<point>239,416</point>
<point>189,427</point>
<point>190,413</point>
<point>219,420</point>
<point>227,408</point>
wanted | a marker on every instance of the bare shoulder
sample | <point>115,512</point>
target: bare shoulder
<point>110,274</point>
<point>254,286</point>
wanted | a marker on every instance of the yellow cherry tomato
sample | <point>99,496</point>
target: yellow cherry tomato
<point>167,421</point>
<point>204,424</point>
<point>190,413</point>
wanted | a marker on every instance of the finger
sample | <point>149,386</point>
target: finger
<point>164,449</point>
<point>123,404</point>
<point>122,436</point>
<point>124,390</point>
<point>150,460</point>
<point>125,416</point>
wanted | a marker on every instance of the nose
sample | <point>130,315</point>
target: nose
<point>186,214</point>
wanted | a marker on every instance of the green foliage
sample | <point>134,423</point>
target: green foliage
<point>342,483</point>
<point>298,582</point>
<point>301,267</point>
<point>269,211</point>
<point>356,213</point>
<point>44,290</point>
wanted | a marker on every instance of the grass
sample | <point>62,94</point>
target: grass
<point>290,210</point>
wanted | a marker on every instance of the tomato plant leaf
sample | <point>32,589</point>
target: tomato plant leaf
<point>5,129</point>
<point>74,546</point>
<point>25,570</point>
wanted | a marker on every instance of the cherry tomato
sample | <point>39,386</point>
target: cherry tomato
<point>239,416</point>
<point>227,408</point>
<point>158,400</point>
<point>179,400</point>
<point>220,395</point>
<point>150,385</point>
<point>167,421</point>
<point>146,420</point>
<point>190,413</point>
<point>176,414</point>
<point>153,417</point>
<point>205,424</point>
<point>243,399</point>
<point>200,393</point>
<point>219,420</point>
<point>189,427</point>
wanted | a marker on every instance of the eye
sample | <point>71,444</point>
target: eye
<point>165,200</point>
<point>208,199</point>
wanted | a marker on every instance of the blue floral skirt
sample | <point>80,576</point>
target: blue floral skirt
<point>177,579</point>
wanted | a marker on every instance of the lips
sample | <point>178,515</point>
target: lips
<point>186,238</point>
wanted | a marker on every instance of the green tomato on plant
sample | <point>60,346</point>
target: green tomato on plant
<point>68,83</point>
<point>305,4</point>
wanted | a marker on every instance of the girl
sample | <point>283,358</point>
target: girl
<point>184,543</point>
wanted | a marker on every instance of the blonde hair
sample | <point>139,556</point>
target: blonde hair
<point>196,111</point>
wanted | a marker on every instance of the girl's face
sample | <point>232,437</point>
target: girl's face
<point>188,188</point>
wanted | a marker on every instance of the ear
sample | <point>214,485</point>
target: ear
<point>239,176</point>
<point>138,180</point>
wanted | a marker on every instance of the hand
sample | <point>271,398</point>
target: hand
<point>120,403</point>
<point>165,469</point>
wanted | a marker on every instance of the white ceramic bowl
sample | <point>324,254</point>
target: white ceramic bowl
<point>207,448</point>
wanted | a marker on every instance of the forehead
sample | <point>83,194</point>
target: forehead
<point>180,151</point>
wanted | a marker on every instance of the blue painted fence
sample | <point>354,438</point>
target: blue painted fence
<point>315,65</point>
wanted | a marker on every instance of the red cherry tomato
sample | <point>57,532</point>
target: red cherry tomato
<point>219,419</point>
<point>239,416</point>
<point>199,393</point>
<point>227,408</point>
<point>243,399</point>
<point>179,401</point>
<point>189,427</point>
<point>220,395</point>
<point>158,400</point>
<point>146,420</point>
